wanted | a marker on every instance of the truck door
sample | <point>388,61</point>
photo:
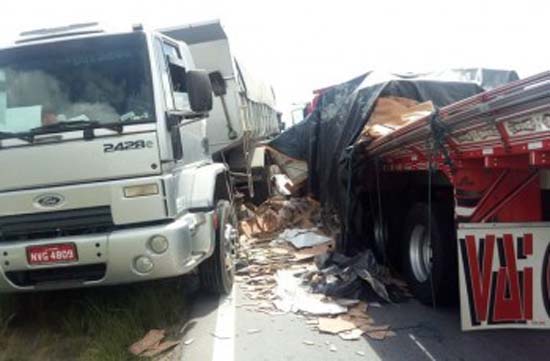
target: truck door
<point>192,133</point>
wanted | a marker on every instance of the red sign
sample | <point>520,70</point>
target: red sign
<point>504,277</point>
<point>52,253</point>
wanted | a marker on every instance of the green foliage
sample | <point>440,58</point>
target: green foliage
<point>88,324</point>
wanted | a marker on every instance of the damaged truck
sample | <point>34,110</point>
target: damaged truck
<point>445,177</point>
<point>106,143</point>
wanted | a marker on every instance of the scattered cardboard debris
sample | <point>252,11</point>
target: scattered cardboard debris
<point>268,221</point>
<point>304,238</point>
<point>380,335</point>
<point>391,113</point>
<point>285,260</point>
<point>149,341</point>
<point>293,297</point>
<point>334,325</point>
<point>295,170</point>
<point>310,252</point>
<point>351,335</point>
<point>160,348</point>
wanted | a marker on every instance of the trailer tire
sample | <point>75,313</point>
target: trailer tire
<point>426,266</point>
<point>218,271</point>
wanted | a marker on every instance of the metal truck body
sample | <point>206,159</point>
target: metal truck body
<point>106,176</point>
<point>250,102</point>
<point>243,116</point>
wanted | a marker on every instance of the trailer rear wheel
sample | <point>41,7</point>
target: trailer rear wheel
<point>217,272</point>
<point>429,261</point>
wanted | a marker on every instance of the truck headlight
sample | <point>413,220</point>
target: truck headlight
<point>141,190</point>
<point>158,244</point>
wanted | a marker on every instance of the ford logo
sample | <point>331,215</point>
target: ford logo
<point>49,200</point>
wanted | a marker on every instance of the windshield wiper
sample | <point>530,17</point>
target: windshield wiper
<point>86,125</point>
<point>11,135</point>
<point>63,126</point>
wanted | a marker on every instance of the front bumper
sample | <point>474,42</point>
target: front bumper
<point>109,258</point>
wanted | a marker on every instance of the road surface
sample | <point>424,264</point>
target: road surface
<point>223,330</point>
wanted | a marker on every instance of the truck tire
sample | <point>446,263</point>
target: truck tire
<point>217,272</point>
<point>430,269</point>
<point>262,185</point>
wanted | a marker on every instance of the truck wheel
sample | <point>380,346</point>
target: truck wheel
<point>429,263</point>
<point>218,271</point>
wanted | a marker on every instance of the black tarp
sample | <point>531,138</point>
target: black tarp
<point>325,137</point>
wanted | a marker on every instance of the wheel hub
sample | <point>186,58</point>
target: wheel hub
<point>420,253</point>
<point>230,236</point>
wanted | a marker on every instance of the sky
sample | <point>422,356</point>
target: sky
<point>300,45</point>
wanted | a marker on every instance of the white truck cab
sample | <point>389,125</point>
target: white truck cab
<point>106,176</point>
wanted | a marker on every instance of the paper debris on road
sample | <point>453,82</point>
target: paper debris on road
<point>303,238</point>
<point>333,348</point>
<point>287,264</point>
<point>189,341</point>
<point>293,297</point>
<point>334,325</point>
<point>253,330</point>
<point>277,214</point>
<point>310,252</point>
<point>309,343</point>
<point>351,335</point>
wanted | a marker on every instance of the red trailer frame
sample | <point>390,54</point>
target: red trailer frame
<point>494,146</point>
<point>493,149</point>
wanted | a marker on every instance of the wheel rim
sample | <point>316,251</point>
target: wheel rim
<point>229,242</point>
<point>420,253</point>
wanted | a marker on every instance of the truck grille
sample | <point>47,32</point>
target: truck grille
<point>56,224</point>
<point>93,272</point>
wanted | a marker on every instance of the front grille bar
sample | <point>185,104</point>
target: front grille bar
<point>55,224</point>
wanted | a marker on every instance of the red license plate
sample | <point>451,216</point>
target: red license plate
<point>52,253</point>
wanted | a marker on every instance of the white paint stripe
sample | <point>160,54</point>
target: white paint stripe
<point>224,339</point>
<point>422,348</point>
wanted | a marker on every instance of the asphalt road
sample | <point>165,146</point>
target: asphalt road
<point>223,330</point>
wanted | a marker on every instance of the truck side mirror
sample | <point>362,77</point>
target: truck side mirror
<point>199,89</point>
<point>219,86</point>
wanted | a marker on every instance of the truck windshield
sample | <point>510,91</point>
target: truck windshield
<point>102,80</point>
